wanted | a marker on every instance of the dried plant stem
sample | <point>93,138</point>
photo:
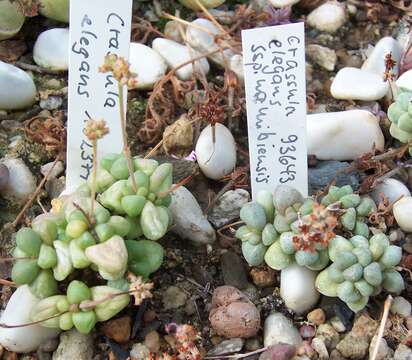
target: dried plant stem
<point>8,283</point>
<point>94,175</point>
<point>89,304</point>
<point>34,195</point>
<point>30,323</point>
<point>178,185</point>
<point>126,148</point>
<point>386,308</point>
<point>153,151</point>
<point>238,356</point>
<point>211,17</point>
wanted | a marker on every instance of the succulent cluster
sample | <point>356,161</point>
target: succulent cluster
<point>113,234</point>
<point>360,268</point>
<point>400,115</point>
<point>284,228</point>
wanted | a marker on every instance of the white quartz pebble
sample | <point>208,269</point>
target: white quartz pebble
<point>343,135</point>
<point>149,66</point>
<point>297,288</point>
<point>17,312</point>
<point>355,84</point>
<point>51,49</point>
<point>236,65</point>
<point>393,189</point>
<point>402,211</point>
<point>202,37</point>
<point>189,222</point>
<point>328,17</point>
<point>216,159</point>
<point>283,3</point>
<point>376,60</point>
<point>405,80</point>
<point>17,89</point>
<point>279,329</point>
<point>176,54</point>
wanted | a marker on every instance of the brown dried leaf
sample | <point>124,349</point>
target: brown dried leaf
<point>11,50</point>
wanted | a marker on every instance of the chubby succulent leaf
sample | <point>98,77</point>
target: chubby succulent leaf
<point>28,241</point>
<point>253,254</point>
<point>112,197</point>
<point>144,256</point>
<point>253,214</point>
<point>269,235</point>
<point>109,308</point>
<point>265,199</point>
<point>84,321</point>
<point>45,309</point>
<point>325,285</point>
<point>148,166</point>
<point>154,221</point>
<point>44,285</point>
<point>24,271</point>
<point>47,257</point>
<point>78,291</point>
<point>64,264</point>
<point>276,258</point>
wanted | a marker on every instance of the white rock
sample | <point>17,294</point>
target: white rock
<point>176,54</point>
<point>322,56</point>
<point>228,207</point>
<point>297,288</point>
<point>17,312</point>
<point>344,135</point>
<point>57,170</point>
<point>22,183</point>
<point>149,66</point>
<point>319,346</point>
<point>173,30</point>
<point>393,189</point>
<point>283,3</point>
<point>224,16</point>
<point>329,17</point>
<point>189,220</point>
<point>17,89</point>
<point>279,329</point>
<point>376,60</point>
<point>51,49</point>
<point>355,84</point>
<point>401,306</point>
<point>384,351</point>
<point>201,37</point>
<point>403,352</point>
<point>405,80</point>
<point>216,159</point>
<point>236,65</point>
<point>402,211</point>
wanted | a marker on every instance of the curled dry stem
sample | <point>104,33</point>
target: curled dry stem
<point>386,308</point>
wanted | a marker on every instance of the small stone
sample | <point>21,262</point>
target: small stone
<point>391,188</point>
<point>178,137</point>
<point>227,207</point>
<point>22,183</point>
<point>307,331</point>
<point>403,352</point>
<point>173,298</point>
<point>233,270</point>
<point>337,324</point>
<point>322,56</point>
<point>328,17</point>
<point>51,50</point>
<point>57,170</point>
<point>297,288</point>
<point>408,322</point>
<point>252,344</point>
<point>345,85</point>
<point>189,220</point>
<point>236,65</point>
<point>401,306</point>
<point>17,89</point>
<point>118,329</point>
<point>328,334</point>
<point>344,135</point>
<point>327,171</point>
<point>173,29</point>
<point>139,352</point>
<point>4,176</point>
<point>51,103</point>
<point>283,3</point>
<point>263,277</point>
<point>376,60</point>
<point>49,345</point>
<point>317,317</point>
<point>152,341</point>
<point>402,211</point>
<point>147,64</point>
<point>336,355</point>
<point>226,347</point>
<point>279,329</point>
<point>279,352</point>
<point>55,187</point>
<point>176,54</point>
<point>320,347</point>
<point>384,351</point>
<point>74,345</point>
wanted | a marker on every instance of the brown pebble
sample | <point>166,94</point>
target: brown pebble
<point>118,329</point>
<point>317,316</point>
<point>152,341</point>
<point>149,316</point>
<point>263,277</point>
<point>408,322</point>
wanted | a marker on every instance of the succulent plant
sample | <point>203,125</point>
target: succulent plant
<point>11,19</point>
<point>400,115</point>
<point>284,228</point>
<point>360,268</point>
<point>115,234</point>
<point>55,9</point>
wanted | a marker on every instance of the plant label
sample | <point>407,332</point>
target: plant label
<point>274,66</point>
<point>97,27</point>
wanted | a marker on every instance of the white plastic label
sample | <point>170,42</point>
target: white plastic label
<point>97,27</point>
<point>274,64</point>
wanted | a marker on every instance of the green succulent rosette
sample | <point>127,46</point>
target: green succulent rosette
<point>360,268</point>
<point>400,115</point>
